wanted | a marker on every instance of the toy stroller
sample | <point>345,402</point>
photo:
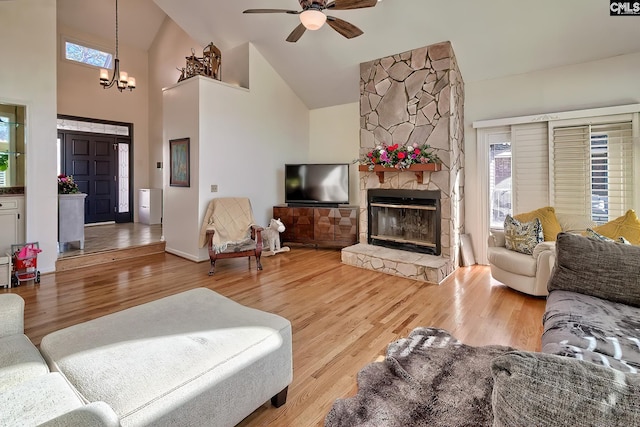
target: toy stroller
<point>25,263</point>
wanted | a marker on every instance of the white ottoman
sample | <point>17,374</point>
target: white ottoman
<point>195,358</point>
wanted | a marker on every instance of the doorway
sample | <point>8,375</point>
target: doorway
<point>98,156</point>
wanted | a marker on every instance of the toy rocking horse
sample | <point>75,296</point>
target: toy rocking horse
<point>271,238</point>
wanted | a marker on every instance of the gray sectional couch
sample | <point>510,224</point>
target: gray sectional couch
<point>593,307</point>
<point>587,373</point>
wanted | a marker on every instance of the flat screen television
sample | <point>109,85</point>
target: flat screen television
<point>316,184</point>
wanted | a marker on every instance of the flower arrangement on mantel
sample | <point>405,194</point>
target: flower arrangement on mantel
<point>66,185</point>
<point>399,157</point>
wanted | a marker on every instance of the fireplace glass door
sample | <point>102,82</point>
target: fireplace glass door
<point>405,223</point>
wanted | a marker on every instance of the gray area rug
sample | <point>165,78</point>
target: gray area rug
<point>426,379</point>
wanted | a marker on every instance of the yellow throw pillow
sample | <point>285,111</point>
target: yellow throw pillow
<point>547,216</point>
<point>627,226</point>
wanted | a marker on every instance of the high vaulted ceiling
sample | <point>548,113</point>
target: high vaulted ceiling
<point>491,38</point>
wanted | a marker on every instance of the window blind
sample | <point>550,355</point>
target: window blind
<point>618,182</point>
<point>593,162</point>
<point>571,170</point>
<point>530,166</point>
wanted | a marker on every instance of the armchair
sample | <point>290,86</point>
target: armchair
<point>525,273</point>
<point>229,231</point>
<point>530,273</point>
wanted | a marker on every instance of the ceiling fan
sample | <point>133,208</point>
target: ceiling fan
<point>312,16</point>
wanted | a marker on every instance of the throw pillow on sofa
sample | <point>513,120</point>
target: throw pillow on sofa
<point>596,268</point>
<point>627,226</point>
<point>537,389</point>
<point>522,236</point>
<point>597,236</point>
<point>547,216</point>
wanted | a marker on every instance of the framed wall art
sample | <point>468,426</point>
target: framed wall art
<point>179,169</point>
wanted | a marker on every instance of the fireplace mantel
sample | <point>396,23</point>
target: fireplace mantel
<point>418,169</point>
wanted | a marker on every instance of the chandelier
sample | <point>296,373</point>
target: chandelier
<point>119,78</point>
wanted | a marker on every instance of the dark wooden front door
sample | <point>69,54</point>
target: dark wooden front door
<point>91,159</point>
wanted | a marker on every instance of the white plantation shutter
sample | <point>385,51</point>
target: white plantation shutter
<point>594,160</point>
<point>572,170</point>
<point>530,168</point>
<point>619,148</point>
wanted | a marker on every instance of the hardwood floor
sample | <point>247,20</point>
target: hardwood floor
<point>342,317</point>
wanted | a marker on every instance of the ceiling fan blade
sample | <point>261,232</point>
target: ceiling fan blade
<point>343,27</point>
<point>296,33</point>
<point>293,12</point>
<point>351,4</point>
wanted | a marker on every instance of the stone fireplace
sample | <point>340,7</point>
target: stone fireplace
<point>413,97</point>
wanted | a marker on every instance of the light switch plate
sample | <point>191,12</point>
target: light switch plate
<point>214,188</point>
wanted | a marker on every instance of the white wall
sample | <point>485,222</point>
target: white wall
<point>80,94</point>
<point>240,141</point>
<point>608,82</point>
<point>28,77</point>
<point>181,214</point>
<point>166,54</point>
<point>334,137</point>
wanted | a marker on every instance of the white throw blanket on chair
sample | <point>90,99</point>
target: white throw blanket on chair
<point>231,218</point>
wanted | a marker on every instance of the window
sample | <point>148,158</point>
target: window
<point>579,161</point>
<point>77,52</point>
<point>599,178</point>
<point>4,149</point>
<point>4,129</point>
<point>518,170</point>
<point>500,182</point>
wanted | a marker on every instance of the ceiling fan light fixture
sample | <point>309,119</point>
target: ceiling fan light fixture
<point>313,19</point>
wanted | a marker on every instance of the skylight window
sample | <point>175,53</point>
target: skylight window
<point>87,55</point>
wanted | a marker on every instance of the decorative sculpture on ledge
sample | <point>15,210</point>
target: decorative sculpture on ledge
<point>208,65</point>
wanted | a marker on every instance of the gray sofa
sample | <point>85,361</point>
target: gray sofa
<point>593,307</point>
<point>195,358</point>
<point>587,373</point>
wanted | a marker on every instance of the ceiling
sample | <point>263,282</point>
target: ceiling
<point>491,38</point>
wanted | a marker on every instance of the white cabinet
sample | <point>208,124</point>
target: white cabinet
<point>11,222</point>
<point>150,206</point>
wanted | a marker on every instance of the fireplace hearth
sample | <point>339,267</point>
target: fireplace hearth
<point>404,219</point>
